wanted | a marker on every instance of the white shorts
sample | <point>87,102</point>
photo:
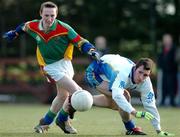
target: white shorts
<point>59,69</point>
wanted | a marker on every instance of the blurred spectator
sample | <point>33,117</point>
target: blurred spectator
<point>101,45</point>
<point>168,65</point>
<point>178,73</point>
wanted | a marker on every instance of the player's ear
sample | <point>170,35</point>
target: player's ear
<point>55,15</point>
<point>40,12</point>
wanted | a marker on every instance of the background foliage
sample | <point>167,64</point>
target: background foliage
<point>132,27</point>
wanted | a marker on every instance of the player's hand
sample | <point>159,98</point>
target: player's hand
<point>146,115</point>
<point>162,133</point>
<point>10,35</point>
<point>94,55</point>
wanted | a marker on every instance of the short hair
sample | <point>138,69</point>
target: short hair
<point>146,62</point>
<point>48,4</point>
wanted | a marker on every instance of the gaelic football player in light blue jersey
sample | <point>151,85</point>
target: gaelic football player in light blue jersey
<point>112,76</point>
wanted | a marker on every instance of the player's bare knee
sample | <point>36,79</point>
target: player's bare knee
<point>66,105</point>
<point>113,105</point>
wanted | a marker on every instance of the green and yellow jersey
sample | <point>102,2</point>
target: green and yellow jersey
<point>56,44</point>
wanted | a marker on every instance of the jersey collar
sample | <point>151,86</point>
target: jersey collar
<point>131,75</point>
<point>53,27</point>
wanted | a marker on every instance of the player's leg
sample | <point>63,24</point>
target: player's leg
<point>106,100</point>
<point>64,86</point>
<point>54,73</point>
<point>102,100</point>
<point>124,115</point>
<point>66,82</point>
<point>57,103</point>
<point>62,120</point>
<point>52,112</point>
<point>127,120</point>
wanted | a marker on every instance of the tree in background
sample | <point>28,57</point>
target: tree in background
<point>132,27</point>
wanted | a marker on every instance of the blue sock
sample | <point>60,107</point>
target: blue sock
<point>62,116</point>
<point>129,125</point>
<point>49,117</point>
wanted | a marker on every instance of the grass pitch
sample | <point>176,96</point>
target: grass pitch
<point>18,120</point>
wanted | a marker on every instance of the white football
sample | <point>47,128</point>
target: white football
<point>81,100</point>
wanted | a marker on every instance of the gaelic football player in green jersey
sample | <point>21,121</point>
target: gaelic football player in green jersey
<point>55,42</point>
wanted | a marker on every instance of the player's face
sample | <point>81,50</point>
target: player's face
<point>48,16</point>
<point>140,74</point>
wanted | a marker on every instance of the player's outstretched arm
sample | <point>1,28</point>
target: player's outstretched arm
<point>13,34</point>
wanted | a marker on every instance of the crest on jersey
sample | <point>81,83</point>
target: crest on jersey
<point>149,97</point>
<point>122,84</point>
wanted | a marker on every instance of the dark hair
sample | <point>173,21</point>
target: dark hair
<point>146,62</point>
<point>48,4</point>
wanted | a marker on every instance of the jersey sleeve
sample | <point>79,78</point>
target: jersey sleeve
<point>149,102</point>
<point>26,27</point>
<point>74,37</point>
<point>117,88</point>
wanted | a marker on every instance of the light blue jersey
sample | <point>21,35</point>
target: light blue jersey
<point>118,72</point>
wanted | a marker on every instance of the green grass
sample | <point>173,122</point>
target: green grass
<point>18,120</point>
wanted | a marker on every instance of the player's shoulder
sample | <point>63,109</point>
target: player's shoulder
<point>110,56</point>
<point>33,21</point>
<point>118,58</point>
<point>63,24</point>
<point>146,84</point>
<point>30,24</point>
